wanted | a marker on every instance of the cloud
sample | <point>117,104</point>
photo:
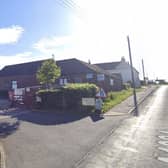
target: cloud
<point>24,55</point>
<point>50,45</point>
<point>10,34</point>
<point>15,59</point>
<point>21,58</point>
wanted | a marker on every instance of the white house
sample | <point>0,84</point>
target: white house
<point>122,67</point>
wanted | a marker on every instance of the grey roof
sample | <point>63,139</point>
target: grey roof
<point>111,65</point>
<point>108,66</point>
<point>74,66</point>
<point>69,66</point>
<point>29,68</point>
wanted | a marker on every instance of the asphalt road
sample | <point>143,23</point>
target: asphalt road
<point>139,142</point>
<point>48,140</point>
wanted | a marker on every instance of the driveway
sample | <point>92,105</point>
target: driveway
<point>50,140</point>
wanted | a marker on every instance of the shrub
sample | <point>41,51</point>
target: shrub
<point>126,86</point>
<point>69,96</point>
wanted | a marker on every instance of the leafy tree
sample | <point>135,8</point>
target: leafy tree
<point>48,72</point>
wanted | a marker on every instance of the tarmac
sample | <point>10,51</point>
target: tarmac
<point>99,156</point>
<point>124,108</point>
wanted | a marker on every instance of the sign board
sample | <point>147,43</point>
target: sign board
<point>100,77</point>
<point>101,93</point>
<point>88,101</point>
<point>19,91</point>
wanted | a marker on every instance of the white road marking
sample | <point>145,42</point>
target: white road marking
<point>164,132</point>
<point>163,137</point>
<point>163,159</point>
<point>163,149</point>
<point>165,143</point>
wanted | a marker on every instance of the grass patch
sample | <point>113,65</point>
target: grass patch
<point>114,98</point>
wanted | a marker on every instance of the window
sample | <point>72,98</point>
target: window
<point>100,77</point>
<point>14,84</point>
<point>89,76</point>
<point>63,81</point>
<point>111,82</point>
<point>78,80</point>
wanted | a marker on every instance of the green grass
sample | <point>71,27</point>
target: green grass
<point>114,98</point>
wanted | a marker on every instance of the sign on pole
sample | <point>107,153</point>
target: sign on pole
<point>101,93</point>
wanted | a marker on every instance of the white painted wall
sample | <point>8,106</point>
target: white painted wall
<point>124,69</point>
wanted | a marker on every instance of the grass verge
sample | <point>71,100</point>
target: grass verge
<point>114,98</point>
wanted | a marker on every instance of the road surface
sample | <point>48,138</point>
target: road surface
<point>139,142</point>
<point>40,140</point>
<point>48,140</point>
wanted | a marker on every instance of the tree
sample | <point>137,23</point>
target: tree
<point>48,72</point>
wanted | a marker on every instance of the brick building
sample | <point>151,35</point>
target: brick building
<point>72,71</point>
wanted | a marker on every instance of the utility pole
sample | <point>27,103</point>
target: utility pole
<point>143,72</point>
<point>133,80</point>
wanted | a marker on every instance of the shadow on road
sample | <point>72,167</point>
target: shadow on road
<point>51,118</point>
<point>7,128</point>
<point>96,117</point>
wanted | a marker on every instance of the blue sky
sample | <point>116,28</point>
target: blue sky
<point>37,18</point>
<point>96,29</point>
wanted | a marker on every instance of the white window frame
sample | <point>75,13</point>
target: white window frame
<point>111,82</point>
<point>63,81</point>
<point>14,84</point>
<point>89,76</point>
<point>100,77</point>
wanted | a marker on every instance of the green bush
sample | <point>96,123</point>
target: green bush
<point>69,96</point>
<point>126,86</point>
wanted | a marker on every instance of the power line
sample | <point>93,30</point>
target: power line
<point>76,9</point>
<point>73,4</point>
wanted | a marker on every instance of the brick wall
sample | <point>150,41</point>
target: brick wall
<point>22,81</point>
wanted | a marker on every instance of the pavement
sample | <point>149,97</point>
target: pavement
<point>127,106</point>
<point>123,108</point>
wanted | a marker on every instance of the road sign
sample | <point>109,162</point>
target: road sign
<point>101,93</point>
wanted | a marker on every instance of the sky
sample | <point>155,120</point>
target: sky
<point>94,30</point>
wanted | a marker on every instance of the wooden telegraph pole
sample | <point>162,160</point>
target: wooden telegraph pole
<point>133,79</point>
<point>143,72</point>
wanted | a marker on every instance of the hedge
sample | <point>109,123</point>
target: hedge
<point>69,96</point>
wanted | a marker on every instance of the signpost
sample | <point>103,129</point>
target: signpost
<point>101,93</point>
